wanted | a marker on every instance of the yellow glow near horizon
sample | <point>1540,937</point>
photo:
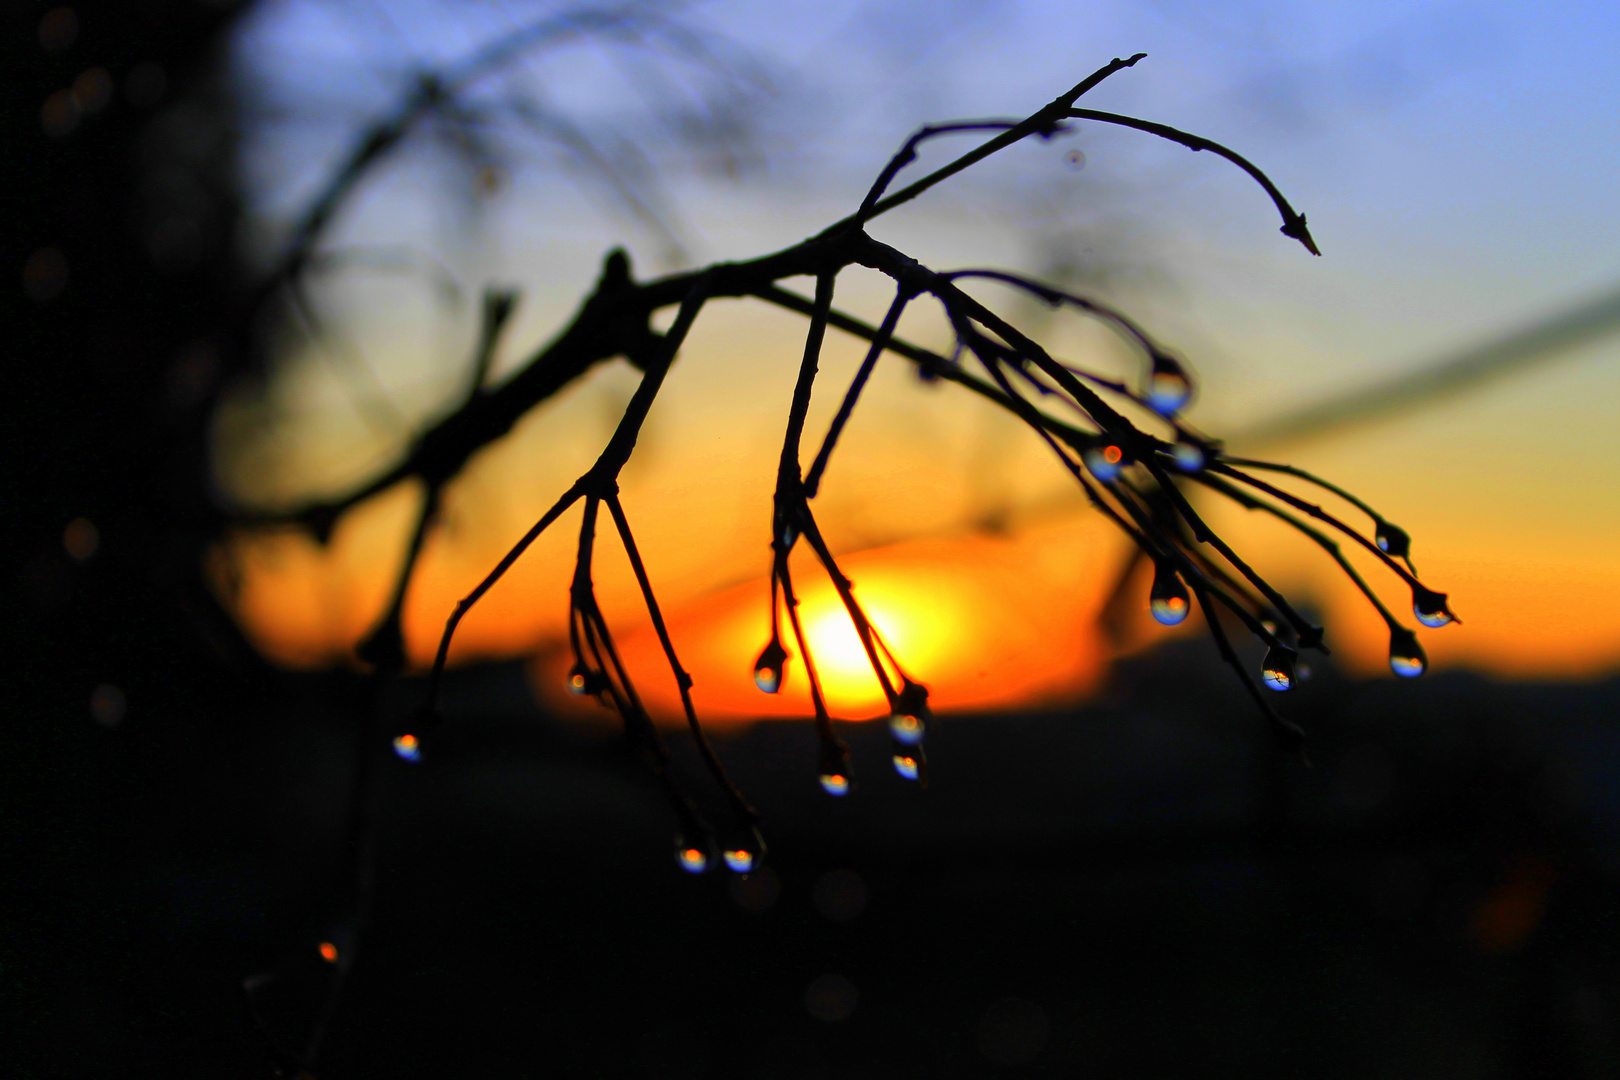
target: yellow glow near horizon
<point>1526,551</point>
<point>955,614</point>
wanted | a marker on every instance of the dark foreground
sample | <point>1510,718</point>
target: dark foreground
<point>1144,887</point>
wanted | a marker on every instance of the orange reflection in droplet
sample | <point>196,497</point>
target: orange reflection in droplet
<point>975,619</point>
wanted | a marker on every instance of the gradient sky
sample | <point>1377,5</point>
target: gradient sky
<point>1457,163</point>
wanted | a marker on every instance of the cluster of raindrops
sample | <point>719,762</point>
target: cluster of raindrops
<point>908,725</point>
<point>740,855</point>
<point>1167,391</point>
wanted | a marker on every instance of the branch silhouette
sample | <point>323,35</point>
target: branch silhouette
<point>1126,447</point>
<point>1132,470</point>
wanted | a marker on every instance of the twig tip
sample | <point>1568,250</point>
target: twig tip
<point>1294,228</point>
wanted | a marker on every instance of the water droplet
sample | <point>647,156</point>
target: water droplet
<point>692,859</point>
<point>1168,386</point>
<point>1430,607</point>
<point>909,723</point>
<point>1277,669</point>
<point>768,668</point>
<point>329,952</point>
<point>1105,462</point>
<point>907,766</point>
<point>907,728</point>
<point>835,783</point>
<point>1189,457</point>
<point>407,747</point>
<point>740,859</point>
<point>1405,654</point>
<point>834,771</point>
<point>1392,540</point>
<point>582,680</point>
<point>1168,599</point>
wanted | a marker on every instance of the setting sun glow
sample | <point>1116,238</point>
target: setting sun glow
<point>957,615</point>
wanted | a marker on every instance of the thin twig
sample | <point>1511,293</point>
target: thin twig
<point>880,341</point>
<point>1293,223</point>
<point>683,681</point>
<point>1041,120</point>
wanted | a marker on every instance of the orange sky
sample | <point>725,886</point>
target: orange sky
<point>1436,234</point>
<point>986,621</point>
<point>1511,492</point>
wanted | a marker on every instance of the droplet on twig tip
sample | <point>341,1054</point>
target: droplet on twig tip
<point>1430,607</point>
<point>1168,599</point>
<point>1277,669</point>
<point>691,859</point>
<point>1168,386</point>
<point>1405,654</point>
<point>769,667</point>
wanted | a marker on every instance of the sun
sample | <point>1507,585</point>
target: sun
<point>962,616</point>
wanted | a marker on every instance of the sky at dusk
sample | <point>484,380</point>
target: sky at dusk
<point>1457,163</point>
